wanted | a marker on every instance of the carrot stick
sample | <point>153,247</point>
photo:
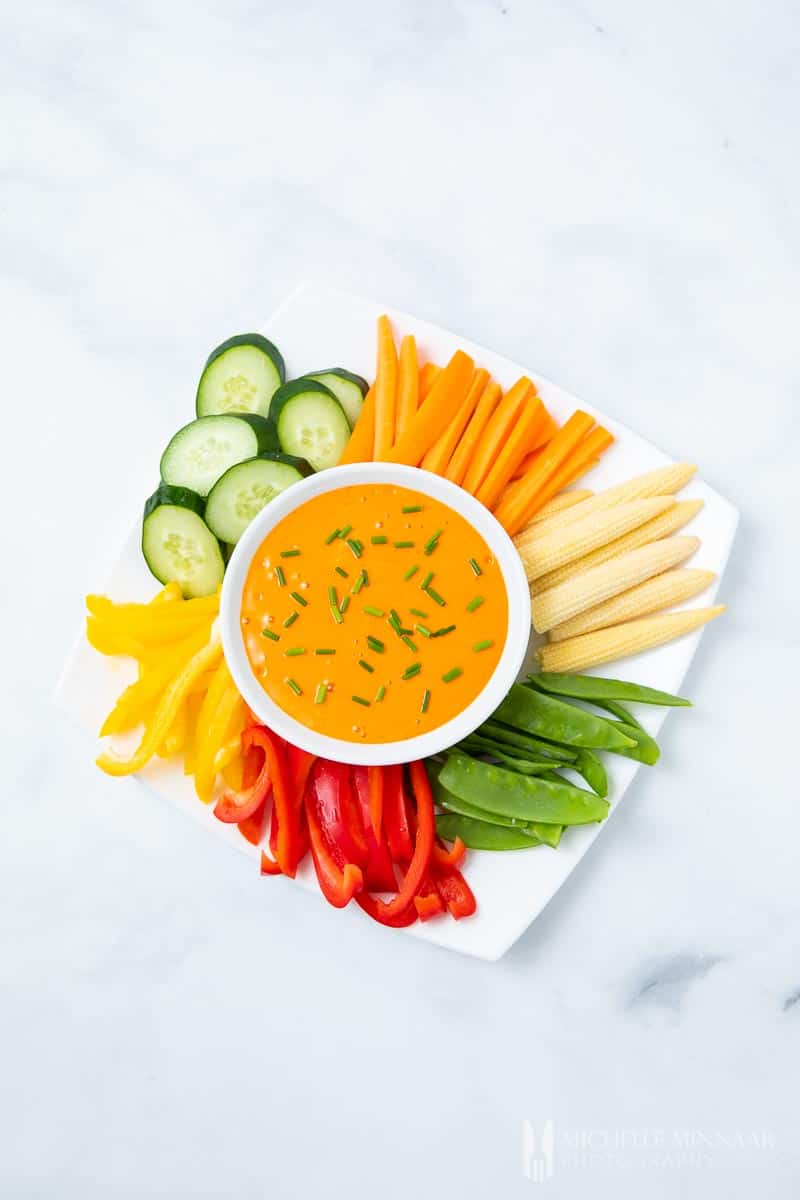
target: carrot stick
<point>541,437</point>
<point>359,447</point>
<point>427,378</point>
<point>385,391</point>
<point>512,451</point>
<point>445,398</point>
<point>586,456</point>
<point>407,385</point>
<point>503,421</point>
<point>439,455</point>
<point>514,513</point>
<point>460,460</point>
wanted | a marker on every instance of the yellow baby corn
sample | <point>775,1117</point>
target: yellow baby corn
<point>541,553</point>
<point>652,531</point>
<point>607,645</point>
<point>565,601</point>
<point>662,591</point>
<point>559,503</point>
<point>664,481</point>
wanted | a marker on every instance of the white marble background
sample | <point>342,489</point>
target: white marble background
<point>604,189</point>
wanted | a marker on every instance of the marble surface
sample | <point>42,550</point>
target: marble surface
<point>605,192</point>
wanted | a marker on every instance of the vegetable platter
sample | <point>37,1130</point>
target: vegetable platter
<point>598,587</point>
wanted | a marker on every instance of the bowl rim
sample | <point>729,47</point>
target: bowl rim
<point>407,749</point>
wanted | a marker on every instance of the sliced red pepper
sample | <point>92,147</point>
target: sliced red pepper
<point>338,881</point>
<point>374,909</point>
<point>454,891</point>
<point>252,827</point>
<point>289,846</point>
<point>395,815</point>
<point>420,859</point>
<point>427,901</point>
<point>338,811</point>
<point>449,858</point>
<point>233,807</point>
<point>300,763</point>
<point>375,777</point>
<point>269,866</point>
<point>379,873</point>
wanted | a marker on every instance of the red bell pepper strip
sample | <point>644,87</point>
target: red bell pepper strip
<point>289,847</point>
<point>427,901</point>
<point>300,763</point>
<point>338,882</point>
<point>379,873</point>
<point>252,827</point>
<point>449,858</point>
<point>338,812</point>
<point>454,891</point>
<point>395,815</point>
<point>269,865</point>
<point>372,908</point>
<point>420,859</point>
<point>233,807</point>
<point>375,777</point>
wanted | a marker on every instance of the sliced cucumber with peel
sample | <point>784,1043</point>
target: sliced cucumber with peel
<point>203,450</point>
<point>348,388</point>
<point>311,422</point>
<point>241,375</point>
<point>248,487</point>
<point>178,545</point>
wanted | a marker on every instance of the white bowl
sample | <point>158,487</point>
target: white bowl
<point>376,753</point>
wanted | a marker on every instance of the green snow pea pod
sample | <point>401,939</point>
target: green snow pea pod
<point>549,834</point>
<point>588,765</point>
<point>479,835</point>
<point>517,760</point>
<point>528,798</point>
<point>560,722</point>
<point>592,687</point>
<point>646,748</point>
<point>536,746</point>
<point>620,711</point>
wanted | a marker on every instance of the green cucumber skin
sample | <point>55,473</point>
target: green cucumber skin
<point>225,516</point>
<point>350,376</point>
<point>187,506</point>
<point>351,396</point>
<point>176,497</point>
<point>280,411</point>
<point>255,340</point>
<point>297,387</point>
<point>300,464</point>
<point>265,430</point>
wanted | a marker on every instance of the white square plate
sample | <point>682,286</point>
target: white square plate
<point>317,328</point>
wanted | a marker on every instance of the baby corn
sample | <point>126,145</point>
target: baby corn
<point>662,591</point>
<point>607,645</point>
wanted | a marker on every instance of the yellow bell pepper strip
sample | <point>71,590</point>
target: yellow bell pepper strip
<point>164,714</point>
<point>153,623</point>
<point>139,699</point>
<point>214,732</point>
<point>107,640</point>
<point>176,736</point>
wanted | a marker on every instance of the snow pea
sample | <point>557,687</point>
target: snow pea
<point>620,711</point>
<point>510,756</point>
<point>549,834</point>
<point>589,765</point>
<point>592,687</point>
<point>547,717</point>
<point>529,798</point>
<point>479,835</point>
<point>646,748</point>
<point>525,741</point>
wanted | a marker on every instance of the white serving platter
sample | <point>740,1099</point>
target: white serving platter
<point>315,328</point>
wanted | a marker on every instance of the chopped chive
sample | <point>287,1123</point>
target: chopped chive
<point>418,612</point>
<point>474,603</point>
<point>279,575</point>
<point>395,615</point>
<point>405,632</point>
<point>426,699</point>
<point>433,541</point>
<point>423,629</point>
<point>344,604</point>
<point>413,670</point>
<point>426,581</point>
<point>355,547</point>
<point>294,685</point>
<point>409,642</point>
<point>444,630</point>
<point>341,571</point>
<point>484,645</point>
<point>289,553</point>
<point>379,539</point>
<point>381,692</point>
<point>359,583</point>
<point>362,662</point>
<point>337,616</point>
<point>475,566</point>
<point>452,674</point>
<point>435,597</point>
<point>411,508</point>
<point>343,532</point>
<point>360,700</point>
<point>290,620</point>
<point>331,594</point>
<point>293,651</point>
<point>395,623</point>
<point>324,650</point>
<point>332,536</point>
<point>268,633</point>
<point>411,572</point>
<point>373,612</point>
<point>301,600</point>
<point>366,576</point>
<point>375,644</point>
<point>320,694</point>
<point>403,545</point>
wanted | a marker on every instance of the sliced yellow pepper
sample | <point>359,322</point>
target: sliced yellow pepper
<point>139,700</point>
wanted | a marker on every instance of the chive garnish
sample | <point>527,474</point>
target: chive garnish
<point>289,553</point>
<point>301,600</point>
<point>475,566</point>
<point>294,685</point>
<point>294,651</point>
<point>341,571</point>
<point>362,662</point>
<point>435,597</point>
<point>290,620</point>
<point>426,581</point>
<point>378,539</point>
<point>411,508</point>
<point>337,616</point>
<point>375,644</point>
<point>403,545</point>
<point>332,536</point>
<point>413,670</point>
<point>484,645</point>
<point>444,630</point>
<point>373,612</point>
<point>359,583</point>
<point>411,572</point>
<point>433,541</point>
<point>360,700</point>
<point>324,650</point>
<point>320,694</point>
<point>279,575</point>
<point>418,612</point>
<point>426,699</point>
<point>395,617</point>
<point>381,692</point>
<point>331,594</point>
<point>423,629</point>
<point>409,642</point>
<point>355,547</point>
<point>452,674</point>
<point>474,603</point>
<point>343,532</point>
<point>268,633</point>
<point>344,604</point>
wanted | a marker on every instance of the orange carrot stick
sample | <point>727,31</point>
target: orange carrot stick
<point>512,451</point>
<point>439,455</point>
<point>457,467</point>
<point>585,456</point>
<point>359,447</point>
<point>497,431</point>
<point>407,385</point>
<point>427,378</point>
<point>513,514</point>
<point>385,391</point>
<point>445,398</point>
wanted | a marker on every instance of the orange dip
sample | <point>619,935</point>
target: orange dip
<point>374,613</point>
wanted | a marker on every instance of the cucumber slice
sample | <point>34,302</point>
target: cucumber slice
<point>310,422</point>
<point>349,389</point>
<point>245,489</point>
<point>203,450</point>
<point>241,375</point>
<point>178,545</point>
